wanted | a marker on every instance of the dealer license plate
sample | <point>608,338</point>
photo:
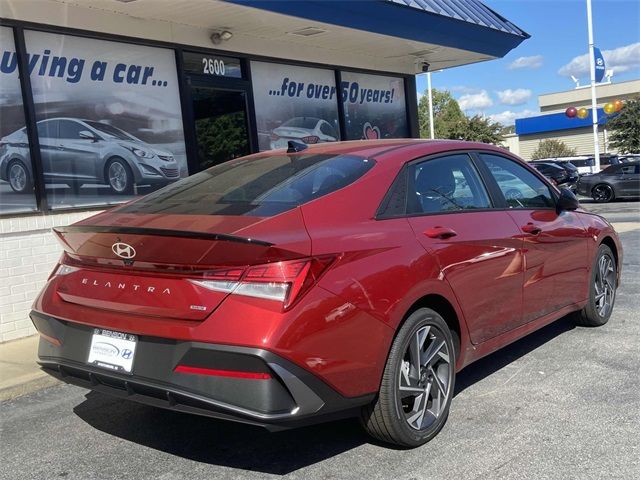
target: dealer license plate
<point>112,350</point>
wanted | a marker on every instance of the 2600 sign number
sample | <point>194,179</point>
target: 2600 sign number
<point>213,66</point>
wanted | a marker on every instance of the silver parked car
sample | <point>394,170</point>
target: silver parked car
<point>305,129</point>
<point>76,152</point>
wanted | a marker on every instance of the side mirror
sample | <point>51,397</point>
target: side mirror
<point>567,201</point>
<point>88,135</point>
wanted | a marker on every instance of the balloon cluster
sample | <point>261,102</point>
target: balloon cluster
<point>609,108</point>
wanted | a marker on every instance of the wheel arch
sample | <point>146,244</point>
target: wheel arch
<point>449,313</point>
<point>134,171</point>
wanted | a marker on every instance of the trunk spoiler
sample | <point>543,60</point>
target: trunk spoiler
<point>60,231</point>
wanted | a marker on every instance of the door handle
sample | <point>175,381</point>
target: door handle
<point>440,232</point>
<point>532,229</point>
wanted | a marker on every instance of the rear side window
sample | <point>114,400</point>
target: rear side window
<point>446,184</point>
<point>263,186</point>
<point>520,187</point>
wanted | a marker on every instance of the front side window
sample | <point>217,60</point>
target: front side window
<point>520,187</point>
<point>446,184</point>
<point>69,129</point>
<point>262,187</point>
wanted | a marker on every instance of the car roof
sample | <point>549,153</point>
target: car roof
<point>403,148</point>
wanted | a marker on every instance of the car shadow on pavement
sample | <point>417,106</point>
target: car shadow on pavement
<point>492,363</point>
<point>246,447</point>
<point>217,442</point>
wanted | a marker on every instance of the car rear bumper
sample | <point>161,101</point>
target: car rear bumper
<point>290,396</point>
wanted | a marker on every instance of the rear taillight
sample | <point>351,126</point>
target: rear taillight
<point>61,270</point>
<point>311,139</point>
<point>283,282</point>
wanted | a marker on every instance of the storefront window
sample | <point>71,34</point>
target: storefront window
<point>16,177</point>
<point>374,106</point>
<point>294,103</point>
<point>108,117</point>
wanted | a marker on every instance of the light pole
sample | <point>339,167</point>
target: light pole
<point>594,101</point>
<point>430,97</point>
<point>431,129</point>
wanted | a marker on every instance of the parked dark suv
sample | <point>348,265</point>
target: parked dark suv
<point>76,152</point>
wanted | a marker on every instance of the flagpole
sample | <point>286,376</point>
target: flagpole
<point>594,101</point>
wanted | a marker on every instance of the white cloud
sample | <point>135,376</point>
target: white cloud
<point>509,118</point>
<point>532,62</point>
<point>514,97</point>
<point>619,59</point>
<point>475,101</point>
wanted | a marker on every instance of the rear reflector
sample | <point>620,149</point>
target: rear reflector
<point>222,373</point>
<point>50,339</point>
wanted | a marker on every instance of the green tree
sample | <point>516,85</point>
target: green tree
<point>552,148</point>
<point>221,138</point>
<point>451,123</point>
<point>479,129</point>
<point>625,128</point>
<point>446,113</point>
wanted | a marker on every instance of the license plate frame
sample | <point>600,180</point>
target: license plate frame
<point>112,350</point>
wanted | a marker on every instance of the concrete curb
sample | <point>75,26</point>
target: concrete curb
<point>19,372</point>
<point>28,384</point>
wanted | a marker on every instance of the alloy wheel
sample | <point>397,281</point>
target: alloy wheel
<point>602,193</point>
<point>604,284</point>
<point>17,177</point>
<point>423,383</point>
<point>117,177</point>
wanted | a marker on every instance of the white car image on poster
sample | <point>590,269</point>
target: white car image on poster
<point>294,103</point>
<point>374,106</point>
<point>15,161</point>
<point>108,117</point>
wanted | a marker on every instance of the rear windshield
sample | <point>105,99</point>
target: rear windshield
<point>262,186</point>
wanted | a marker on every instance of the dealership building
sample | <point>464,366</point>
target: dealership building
<point>576,133</point>
<point>104,100</point>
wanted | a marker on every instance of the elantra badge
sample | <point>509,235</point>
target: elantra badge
<point>123,250</point>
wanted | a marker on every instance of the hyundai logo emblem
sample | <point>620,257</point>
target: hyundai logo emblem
<point>123,250</point>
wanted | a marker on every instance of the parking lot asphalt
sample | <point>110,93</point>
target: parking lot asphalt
<point>561,403</point>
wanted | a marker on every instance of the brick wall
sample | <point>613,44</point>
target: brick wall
<point>28,253</point>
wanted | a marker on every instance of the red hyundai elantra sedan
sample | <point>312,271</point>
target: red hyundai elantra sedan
<point>345,279</point>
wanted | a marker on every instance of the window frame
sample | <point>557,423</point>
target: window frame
<point>492,183</point>
<point>403,176</point>
<point>495,195</point>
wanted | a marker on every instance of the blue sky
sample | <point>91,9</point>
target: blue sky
<point>508,88</point>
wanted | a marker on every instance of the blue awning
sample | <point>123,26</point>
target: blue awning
<point>462,24</point>
<point>556,121</point>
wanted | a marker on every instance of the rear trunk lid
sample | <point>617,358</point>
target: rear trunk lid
<point>143,263</point>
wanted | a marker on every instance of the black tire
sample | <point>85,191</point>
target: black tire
<point>593,314</point>
<point>24,185</point>
<point>603,193</point>
<point>391,418</point>
<point>119,176</point>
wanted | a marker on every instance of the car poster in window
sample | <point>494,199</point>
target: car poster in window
<point>109,118</point>
<point>294,103</point>
<point>16,185</point>
<point>374,106</point>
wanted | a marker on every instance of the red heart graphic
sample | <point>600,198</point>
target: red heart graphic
<point>370,132</point>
